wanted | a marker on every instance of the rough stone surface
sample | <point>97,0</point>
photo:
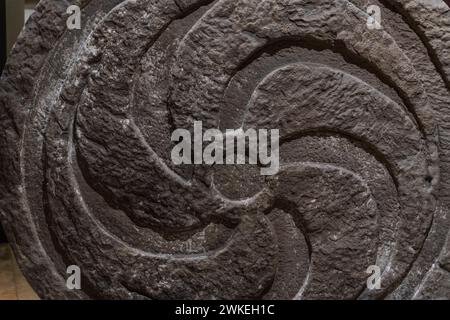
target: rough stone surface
<point>364,116</point>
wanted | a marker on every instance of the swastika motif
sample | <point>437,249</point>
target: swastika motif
<point>86,176</point>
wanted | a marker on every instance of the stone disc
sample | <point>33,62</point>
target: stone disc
<point>363,111</point>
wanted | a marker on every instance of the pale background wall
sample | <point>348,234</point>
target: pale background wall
<point>17,12</point>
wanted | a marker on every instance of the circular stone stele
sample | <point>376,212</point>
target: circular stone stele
<point>86,177</point>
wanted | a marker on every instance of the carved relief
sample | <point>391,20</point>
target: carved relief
<point>87,179</point>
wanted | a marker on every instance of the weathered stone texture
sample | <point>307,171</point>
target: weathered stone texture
<point>364,116</point>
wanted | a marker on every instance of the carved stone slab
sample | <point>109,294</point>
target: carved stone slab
<point>86,177</point>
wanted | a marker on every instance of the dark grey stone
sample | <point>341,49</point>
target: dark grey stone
<point>364,115</point>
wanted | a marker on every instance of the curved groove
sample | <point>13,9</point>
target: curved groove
<point>409,20</point>
<point>271,48</point>
<point>357,141</point>
<point>337,47</point>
